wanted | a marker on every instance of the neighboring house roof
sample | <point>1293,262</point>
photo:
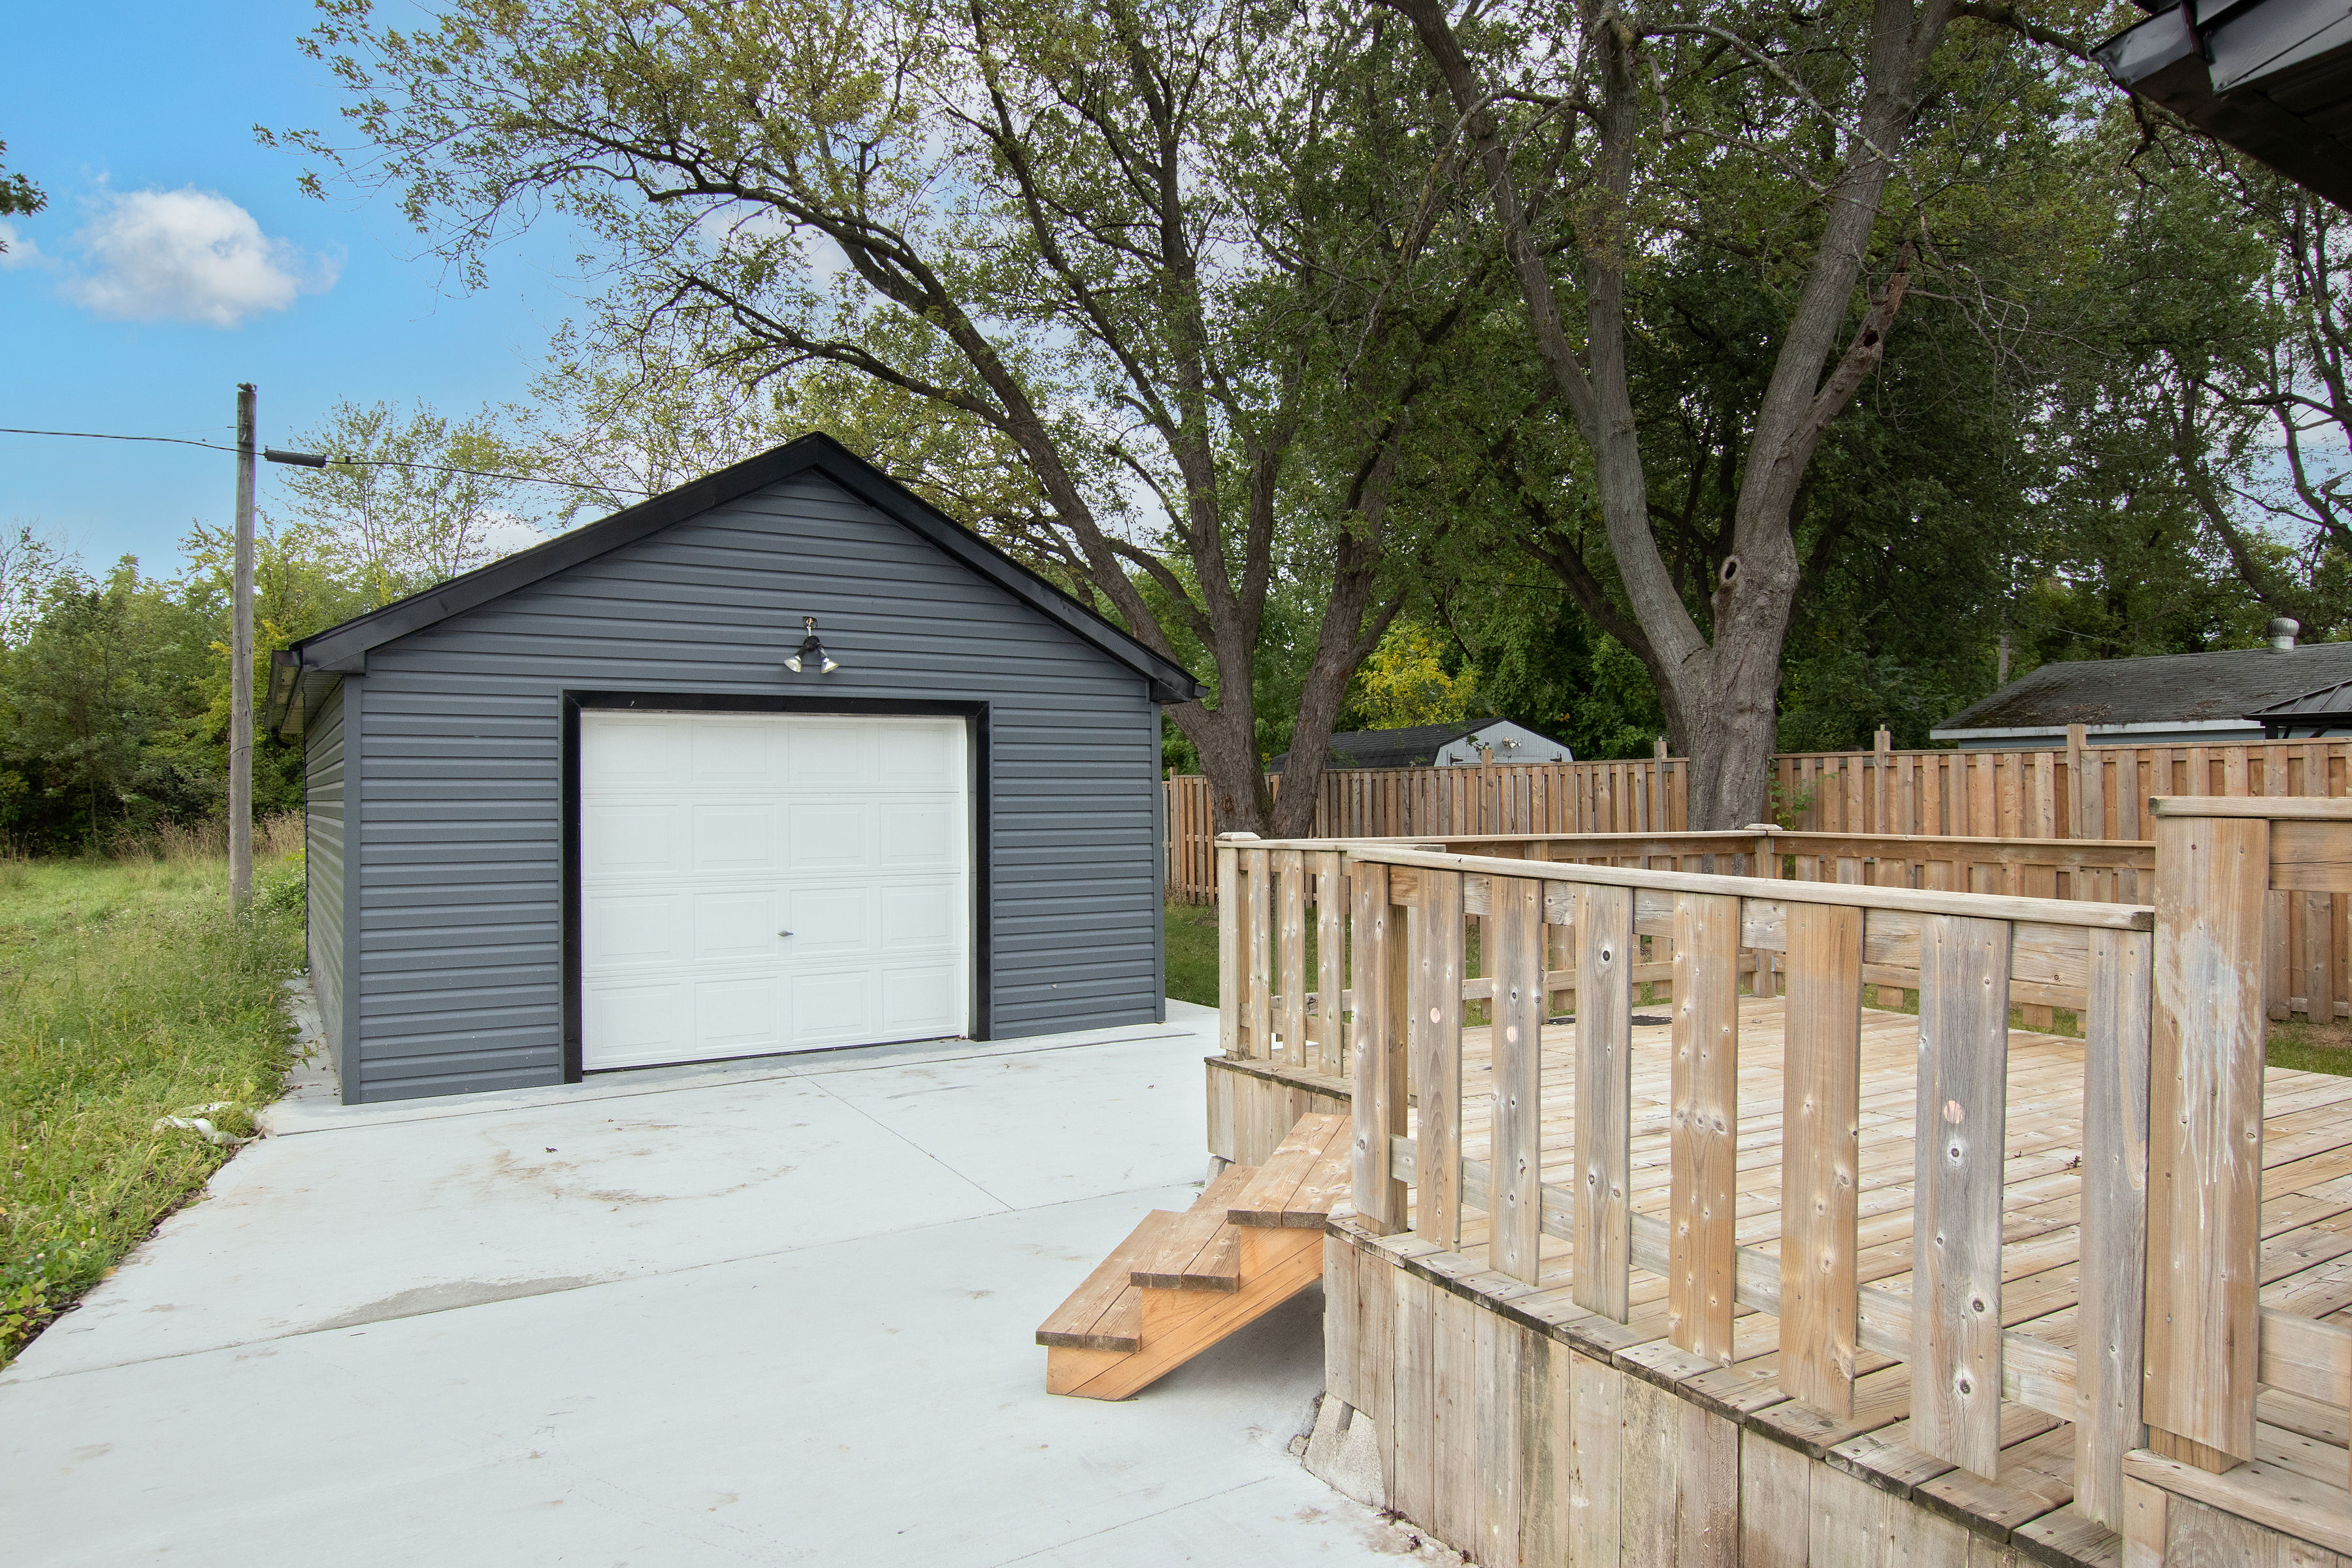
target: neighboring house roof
<point>2172,692</point>
<point>343,650</point>
<point>1409,746</point>
<point>2315,713</point>
<point>2271,78</point>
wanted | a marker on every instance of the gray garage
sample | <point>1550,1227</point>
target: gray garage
<point>782,761</point>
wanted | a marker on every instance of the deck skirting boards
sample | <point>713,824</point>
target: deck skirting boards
<point>1253,1106</point>
<point>1526,1433</point>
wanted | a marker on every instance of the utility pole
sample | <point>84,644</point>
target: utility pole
<point>240,674</point>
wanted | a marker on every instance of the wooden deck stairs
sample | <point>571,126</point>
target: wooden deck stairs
<point>1181,1282</point>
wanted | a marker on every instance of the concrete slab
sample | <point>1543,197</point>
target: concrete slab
<point>772,1320</point>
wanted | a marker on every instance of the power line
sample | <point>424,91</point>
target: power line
<point>346,462</point>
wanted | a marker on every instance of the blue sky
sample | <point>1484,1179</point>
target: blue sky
<point>140,299</point>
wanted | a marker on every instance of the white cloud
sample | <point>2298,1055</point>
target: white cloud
<point>21,252</point>
<point>188,256</point>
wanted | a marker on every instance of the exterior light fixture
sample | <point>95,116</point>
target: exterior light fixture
<point>811,651</point>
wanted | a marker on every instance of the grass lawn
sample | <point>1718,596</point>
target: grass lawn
<point>1193,953</point>
<point>127,993</point>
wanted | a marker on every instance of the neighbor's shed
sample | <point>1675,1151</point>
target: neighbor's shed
<point>578,810</point>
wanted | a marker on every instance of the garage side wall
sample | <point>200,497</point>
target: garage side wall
<point>461,898</point>
<point>322,861</point>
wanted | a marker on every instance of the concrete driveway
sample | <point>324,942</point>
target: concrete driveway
<point>773,1312</point>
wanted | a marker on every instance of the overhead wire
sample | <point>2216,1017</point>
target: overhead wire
<point>344,462</point>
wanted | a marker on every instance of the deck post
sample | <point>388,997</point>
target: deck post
<point>1379,1051</point>
<point>2205,1132</point>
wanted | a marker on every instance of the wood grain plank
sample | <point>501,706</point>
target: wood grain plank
<point>1514,931</point>
<point>1232,926</point>
<point>1955,1359</point>
<point>1290,953</point>
<point>1257,986</point>
<point>1328,870</point>
<point>1437,1059</point>
<point>1704,1150</point>
<point>1377,1108</point>
<point>1596,1422</point>
<point>2111,1316</point>
<point>1414,1486</point>
<point>2205,1129</point>
<point>1603,1245</point>
<point>1821,1156</point>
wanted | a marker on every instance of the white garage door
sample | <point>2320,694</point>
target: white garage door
<point>758,882</point>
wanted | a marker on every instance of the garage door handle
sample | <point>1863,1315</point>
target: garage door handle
<point>784,934</point>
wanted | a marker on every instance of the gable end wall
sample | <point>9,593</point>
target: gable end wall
<point>460,902</point>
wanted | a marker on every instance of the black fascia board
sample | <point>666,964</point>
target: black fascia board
<point>343,650</point>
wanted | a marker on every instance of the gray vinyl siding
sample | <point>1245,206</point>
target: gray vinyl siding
<point>461,898</point>
<point>324,814</point>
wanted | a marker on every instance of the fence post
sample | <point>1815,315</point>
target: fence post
<point>2205,1132</point>
<point>1603,1228</point>
<point>1512,935</point>
<point>1437,1034</point>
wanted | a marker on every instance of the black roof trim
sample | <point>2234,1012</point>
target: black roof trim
<point>343,650</point>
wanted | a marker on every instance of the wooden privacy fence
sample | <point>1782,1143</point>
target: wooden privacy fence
<point>2081,793</point>
<point>1370,960</point>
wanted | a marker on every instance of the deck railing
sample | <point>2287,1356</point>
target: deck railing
<point>1367,958</point>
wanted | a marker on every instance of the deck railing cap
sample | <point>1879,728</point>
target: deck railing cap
<point>2282,808</point>
<point>1850,895</point>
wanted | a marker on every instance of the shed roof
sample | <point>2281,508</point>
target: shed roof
<point>2328,708</point>
<point>2175,688</point>
<point>343,650</point>
<point>1408,746</point>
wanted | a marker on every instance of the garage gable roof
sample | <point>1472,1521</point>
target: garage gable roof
<point>343,650</point>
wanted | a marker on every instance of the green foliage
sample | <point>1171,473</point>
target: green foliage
<point>128,993</point>
<point>1406,682</point>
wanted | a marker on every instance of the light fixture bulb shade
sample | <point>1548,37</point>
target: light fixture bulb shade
<point>794,664</point>
<point>830,665</point>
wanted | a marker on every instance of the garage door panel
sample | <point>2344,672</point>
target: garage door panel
<point>919,999</point>
<point>832,922</point>
<point>736,835</point>
<point>626,839</point>
<point>634,750</point>
<point>929,913</point>
<point>822,836</point>
<point>917,756</point>
<point>915,833</point>
<point>634,1024</point>
<point>828,754</point>
<point>739,1018</point>
<point>834,1006</point>
<point>737,926</point>
<point>631,930</point>
<point>734,753</point>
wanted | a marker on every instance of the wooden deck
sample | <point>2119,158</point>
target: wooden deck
<point>2306,1214</point>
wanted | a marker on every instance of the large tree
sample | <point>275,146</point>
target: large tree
<point>1183,265</point>
<point>1619,144</point>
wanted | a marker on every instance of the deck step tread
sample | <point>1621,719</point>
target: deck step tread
<point>1105,1312</point>
<point>1202,1251</point>
<point>1303,1179</point>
